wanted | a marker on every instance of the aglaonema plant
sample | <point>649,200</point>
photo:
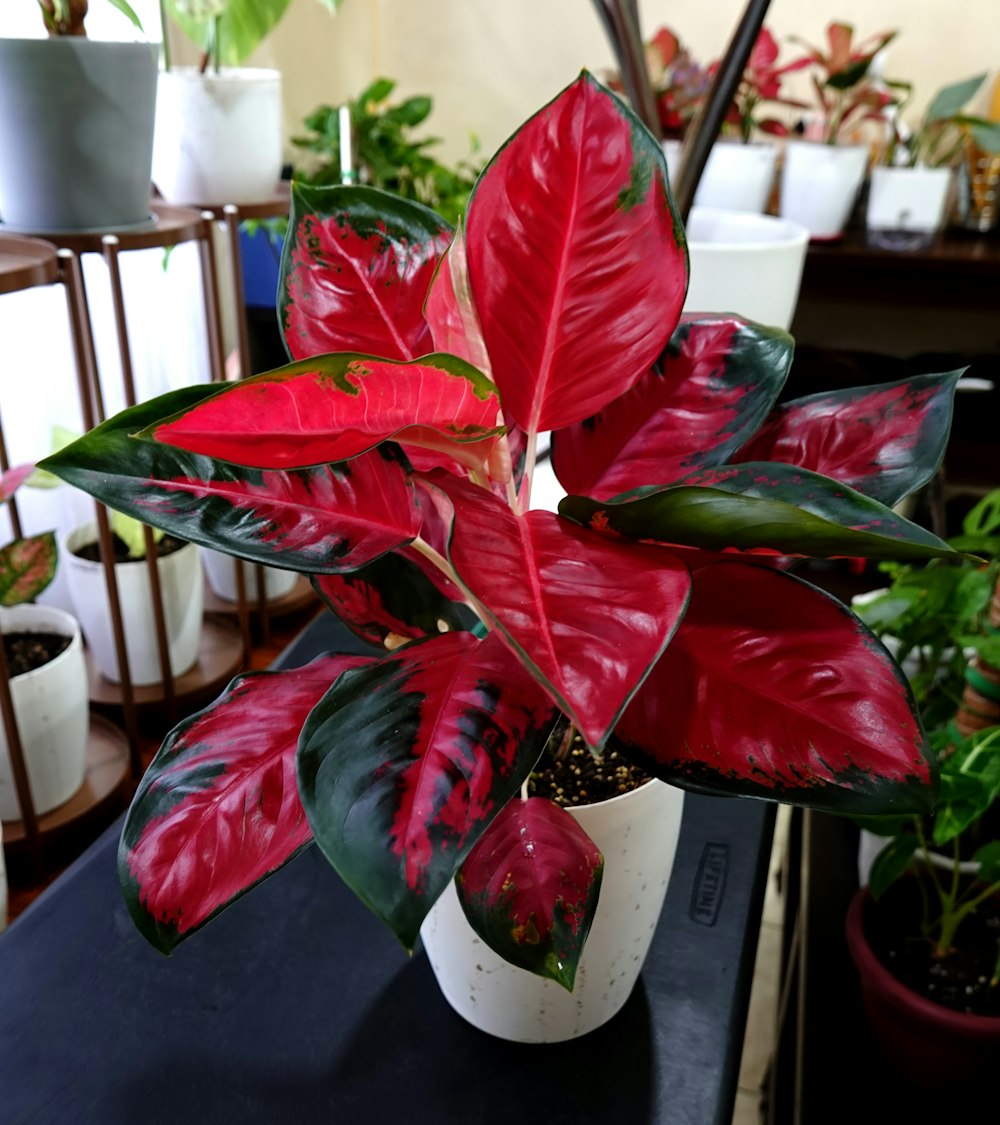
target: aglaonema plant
<point>392,460</point>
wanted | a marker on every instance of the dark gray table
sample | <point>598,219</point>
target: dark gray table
<point>297,1005</point>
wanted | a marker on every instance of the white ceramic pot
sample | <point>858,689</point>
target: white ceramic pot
<point>183,589</point>
<point>907,206</point>
<point>637,834</point>
<point>220,569</point>
<point>218,136</point>
<point>52,712</point>
<point>820,185</point>
<point>745,264</point>
<point>736,176</point>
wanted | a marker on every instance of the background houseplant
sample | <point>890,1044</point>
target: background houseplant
<point>820,181</point>
<point>55,91</point>
<point>219,124</point>
<point>405,474</point>
<point>912,181</point>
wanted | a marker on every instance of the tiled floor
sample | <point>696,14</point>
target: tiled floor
<point>761,1018</point>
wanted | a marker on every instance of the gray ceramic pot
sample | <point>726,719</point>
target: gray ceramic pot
<point>76,134</point>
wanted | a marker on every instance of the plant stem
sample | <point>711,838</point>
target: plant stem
<point>530,460</point>
<point>165,34</point>
<point>435,557</point>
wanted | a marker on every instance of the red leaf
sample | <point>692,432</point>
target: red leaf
<point>772,687</point>
<point>451,314</point>
<point>357,267</point>
<point>27,566</point>
<point>13,478</point>
<point>404,764</point>
<point>218,809</point>
<point>886,440</point>
<point>575,314</point>
<point>529,888</point>
<point>720,378</point>
<point>333,407</point>
<point>587,613</point>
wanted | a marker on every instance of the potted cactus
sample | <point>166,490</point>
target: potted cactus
<point>649,633</point>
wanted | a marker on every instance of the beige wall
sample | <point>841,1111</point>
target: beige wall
<point>488,64</point>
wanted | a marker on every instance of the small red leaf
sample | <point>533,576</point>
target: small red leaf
<point>772,687</point>
<point>451,314</point>
<point>529,888</point>
<point>27,566</point>
<point>217,810</point>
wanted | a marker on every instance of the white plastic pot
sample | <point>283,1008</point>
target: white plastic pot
<point>736,176</point>
<point>820,185</point>
<point>220,569</point>
<point>183,589</point>
<point>218,136</point>
<point>637,834</point>
<point>745,264</point>
<point>907,206</point>
<point>52,712</point>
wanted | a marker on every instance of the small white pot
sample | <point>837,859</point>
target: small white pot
<point>907,206</point>
<point>736,176</point>
<point>52,712</point>
<point>820,185</point>
<point>183,589</point>
<point>745,264</point>
<point>220,569</point>
<point>637,834</point>
<point>218,136</point>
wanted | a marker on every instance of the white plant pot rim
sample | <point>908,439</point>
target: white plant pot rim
<point>195,76</point>
<point>53,616</point>
<point>772,232</point>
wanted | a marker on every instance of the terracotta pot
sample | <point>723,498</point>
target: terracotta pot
<point>637,834</point>
<point>933,1046</point>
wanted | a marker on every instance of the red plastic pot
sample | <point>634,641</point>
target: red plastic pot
<point>932,1046</point>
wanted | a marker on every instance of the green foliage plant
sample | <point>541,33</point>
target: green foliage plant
<point>68,17</point>
<point>938,139</point>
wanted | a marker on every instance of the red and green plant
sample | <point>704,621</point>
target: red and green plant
<point>679,82</point>
<point>845,93</point>
<point>760,85</point>
<point>27,563</point>
<point>393,459</point>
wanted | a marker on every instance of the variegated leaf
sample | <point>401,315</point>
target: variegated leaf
<point>720,377</point>
<point>322,520</point>
<point>355,269</point>
<point>403,765</point>
<point>587,613</point>
<point>885,441</point>
<point>334,407</point>
<point>218,810</point>
<point>27,566</point>
<point>529,888</point>
<point>773,688</point>
<point>574,313</point>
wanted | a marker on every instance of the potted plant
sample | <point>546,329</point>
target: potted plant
<point>739,174</point>
<point>911,183</point>
<point>823,172</point>
<point>55,91</point>
<point>218,132</point>
<point>652,619</point>
<point>47,677</point>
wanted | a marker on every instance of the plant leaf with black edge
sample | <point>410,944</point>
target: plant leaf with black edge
<point>587,613</point>
<point>773,688</point>
<point>397,593</point>
<point>403,765</point>
<point>885,440</point>
<point>765,507</point>
<point>27,566</point>
<point>720,377</point>
<point>218,809</point>
<point>574,313</point>
<point>529,888</point>
<point>355,269</point>
<point>321,520</point>
<point>334,407</point>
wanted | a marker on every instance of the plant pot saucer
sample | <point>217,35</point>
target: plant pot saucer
<point>220,657</point>
<point>106,772</point>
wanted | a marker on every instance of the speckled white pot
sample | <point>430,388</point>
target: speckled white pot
<point>637,834</point>
<point>52,712</point>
